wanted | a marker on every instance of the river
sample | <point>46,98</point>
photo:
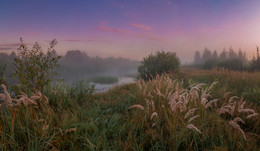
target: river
<point>99,88</point>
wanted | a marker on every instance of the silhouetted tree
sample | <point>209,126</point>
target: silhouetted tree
<point>232,54</point>
<point>215,55</point>
<point>197,58</point>
<point>223,55</point>
<point>206,55</point>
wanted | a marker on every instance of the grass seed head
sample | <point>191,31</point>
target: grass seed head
<point>137,106</point>
<point>191,126</point>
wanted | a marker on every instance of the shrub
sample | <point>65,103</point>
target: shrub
<point>161,62</point>
<point>33,68</point>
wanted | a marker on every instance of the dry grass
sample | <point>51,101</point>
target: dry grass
<point>173,105</point>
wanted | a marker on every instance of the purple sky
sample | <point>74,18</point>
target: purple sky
<point>132,28</point>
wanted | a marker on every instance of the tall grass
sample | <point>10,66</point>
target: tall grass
<point>162,114</point>
<point>170,116</point>
<point>240,83</point>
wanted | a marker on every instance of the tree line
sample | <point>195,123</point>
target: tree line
<point>228,59</point>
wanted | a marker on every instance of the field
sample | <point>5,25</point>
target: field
<point>171,112</point>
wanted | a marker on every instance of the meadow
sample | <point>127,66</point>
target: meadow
<point>190,110</point>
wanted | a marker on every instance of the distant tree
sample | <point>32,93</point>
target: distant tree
<point>161,62</point>
<point>232,54</point>
<point>255,63</point>
<point>231,64</point>
<point>257,52</point>
<point>206,55</point>
<point>33,68</point>
<point>215,55</point>
<point>197,58</point>
<point>242,55</point>
<point>76,55</point>
<point>223,55</point>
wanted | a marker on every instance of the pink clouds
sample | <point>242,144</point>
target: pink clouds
<point>147,36</point>
<point>141,26</point>
<point>116,30</point>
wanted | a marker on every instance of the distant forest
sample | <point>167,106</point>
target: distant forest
<point>76,64</point>
<point>227,59</point>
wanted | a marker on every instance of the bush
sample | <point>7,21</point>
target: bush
<point>33,68</point>
<point>161,62</point>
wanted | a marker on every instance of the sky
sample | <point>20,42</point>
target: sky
<point>132,28</point>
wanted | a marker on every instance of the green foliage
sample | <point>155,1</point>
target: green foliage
<point>33,68</point>
<point>161,62</point>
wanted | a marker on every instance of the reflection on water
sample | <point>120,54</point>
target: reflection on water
<point>105,87</point>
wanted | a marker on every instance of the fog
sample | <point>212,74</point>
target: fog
<point>76,65</point>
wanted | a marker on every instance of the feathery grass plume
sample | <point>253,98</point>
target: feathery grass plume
<point>191,126</point>
<point>25,101</point>
<point>209,104</point>
<point>147,102</point>
<point>241,104</point>
<point>198,86</point>
<point>227,94</point>
<point>154,124</point>
<point>193,118</point>
<point>236,126</point>
<point>158,92</point>
<point>154,115</point>
<point>194,94</point>
<point>211,86</point>
<point>205,94</point>
<point>8,99</point>
<point>137,106</point>
<point>251,115</point>
<point>223,111</point>
<point>238,119</point>
<point>246,111</point>
<point>175,105</point>
<point>190,112</point>
<point>229,108</point>
<point>231,99</point>
<point>203,101</point>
